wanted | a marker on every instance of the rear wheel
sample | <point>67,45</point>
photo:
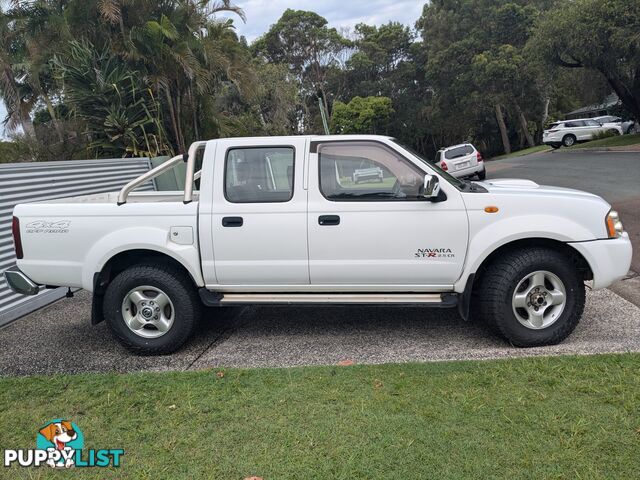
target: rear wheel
<point>152,309</point>
<point>482,175</point>
<point>569,140</point>
<point>532,297</point>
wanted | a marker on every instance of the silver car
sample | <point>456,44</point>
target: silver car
<point>628,126</point>
<point>461,161</point>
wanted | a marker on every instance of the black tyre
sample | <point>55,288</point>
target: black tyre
<point>482,175</point>
<point>613,132</point>
<point>569,140</point>
<point>152,309</point>
<point>531,297</point>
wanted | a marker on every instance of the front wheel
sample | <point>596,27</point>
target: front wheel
<point>532,297</point>
<point>151,309</point>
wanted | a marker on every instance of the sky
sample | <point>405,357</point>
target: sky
<point>261,14</point>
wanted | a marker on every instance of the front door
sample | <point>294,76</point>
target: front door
<point>259,220</point>
<point>369,227</point>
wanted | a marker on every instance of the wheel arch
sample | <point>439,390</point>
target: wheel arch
<point>574,255</point>
<point>474,278</point>
<point>120,262</point>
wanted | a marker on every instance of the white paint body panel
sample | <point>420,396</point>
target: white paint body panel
<point>281,248</point>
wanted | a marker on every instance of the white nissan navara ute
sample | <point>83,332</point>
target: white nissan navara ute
<point>288,220</point>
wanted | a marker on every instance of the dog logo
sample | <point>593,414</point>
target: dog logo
<point>61,436</point>
<point>60,444</point>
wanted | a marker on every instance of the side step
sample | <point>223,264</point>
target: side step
<point>423,299</point>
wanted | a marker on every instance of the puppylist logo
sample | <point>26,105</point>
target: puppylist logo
<point>60,443</point>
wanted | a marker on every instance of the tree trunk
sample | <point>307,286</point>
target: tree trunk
<point>27,126</point>
<point>178,110</point>
<point>628,95</point>
<point>543,121</point>
<point>52,114</point>
<point>503,129</point>
<point>172,115</point>
<point>524,126</point>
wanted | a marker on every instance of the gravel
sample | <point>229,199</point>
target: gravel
<point>59,338</point>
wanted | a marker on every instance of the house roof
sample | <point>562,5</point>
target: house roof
<point>609,101</point>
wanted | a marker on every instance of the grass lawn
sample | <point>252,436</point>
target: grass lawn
<point>526,151</point>
<point>617,141</point>
<point>562,417</point>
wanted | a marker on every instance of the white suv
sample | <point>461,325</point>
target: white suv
<point>461,161</point>
<point>570,132</point>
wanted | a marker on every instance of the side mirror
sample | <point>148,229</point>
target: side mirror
<point>431,187</point>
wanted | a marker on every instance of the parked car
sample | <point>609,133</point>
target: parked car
<point>570,132</point>
<point>461,161</point>
<point>368,174</point>
<point>628,126</point>
<point>277,220</point>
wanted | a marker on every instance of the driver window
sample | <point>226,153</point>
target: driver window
<point>366,171</point>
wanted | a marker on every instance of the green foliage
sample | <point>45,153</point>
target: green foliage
<point>121,114</point>
<point>596,35</point>
<point>313,52</point>
<point>492,72</point>
<point>11,152</point>
<point>362,115</point>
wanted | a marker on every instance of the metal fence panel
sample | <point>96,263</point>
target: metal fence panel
<point>33,182</point>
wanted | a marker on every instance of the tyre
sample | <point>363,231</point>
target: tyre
<point>613,132</point>
<point>569,140</point>
<point>152,309</point>
<point>482,175</point>
<point>531,297</point>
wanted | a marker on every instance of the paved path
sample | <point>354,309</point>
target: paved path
<point>59,339</point>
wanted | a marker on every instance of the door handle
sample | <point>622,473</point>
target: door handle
<point>232,221</point>
<point>329,220</point>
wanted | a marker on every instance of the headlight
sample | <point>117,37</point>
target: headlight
<point>614,225</point>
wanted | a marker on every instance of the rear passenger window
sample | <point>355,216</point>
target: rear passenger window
<point>259,175</point>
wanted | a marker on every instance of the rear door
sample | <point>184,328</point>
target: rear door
<point>579,129</point>
<point>259,220</point>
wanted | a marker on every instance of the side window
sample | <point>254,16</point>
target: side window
<point>438,156</point>
<point>259,174</point>
<point>592,123</point>
<point>366,171</point>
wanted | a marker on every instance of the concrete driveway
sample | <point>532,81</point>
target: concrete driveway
<point>59,339</point>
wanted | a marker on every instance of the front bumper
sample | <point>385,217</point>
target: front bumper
<point>20,283</point>
<point>609,259</point>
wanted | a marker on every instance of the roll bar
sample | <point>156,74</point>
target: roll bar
<point>190,176</point>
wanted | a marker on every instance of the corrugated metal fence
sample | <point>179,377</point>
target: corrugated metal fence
<point>32,182</point>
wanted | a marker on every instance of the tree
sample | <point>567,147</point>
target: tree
<point>596,35</point>
<point>362,115</point>
<point>477,68</point>
<point>303,41</point>
<point>121,114</point>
